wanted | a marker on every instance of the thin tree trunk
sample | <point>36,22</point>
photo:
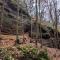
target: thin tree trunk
<point>40,25</point>
<point>31,19</point>
<point>17,28</point>
<point>23,28</point>
<point>36,24</point>
<point>56,23</point>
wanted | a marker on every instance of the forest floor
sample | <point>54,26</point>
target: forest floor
<point>54,53</point>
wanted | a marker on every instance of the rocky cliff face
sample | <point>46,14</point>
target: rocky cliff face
<point>9,18</point>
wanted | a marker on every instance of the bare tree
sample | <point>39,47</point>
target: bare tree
<point>37,28</point>
<point>41,17</point>
<point>53,6</point>
<point>17,27</point>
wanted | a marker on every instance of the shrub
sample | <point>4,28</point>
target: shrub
<point>5,54</point>
<point>24,53</point>
<point>33,53</point>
